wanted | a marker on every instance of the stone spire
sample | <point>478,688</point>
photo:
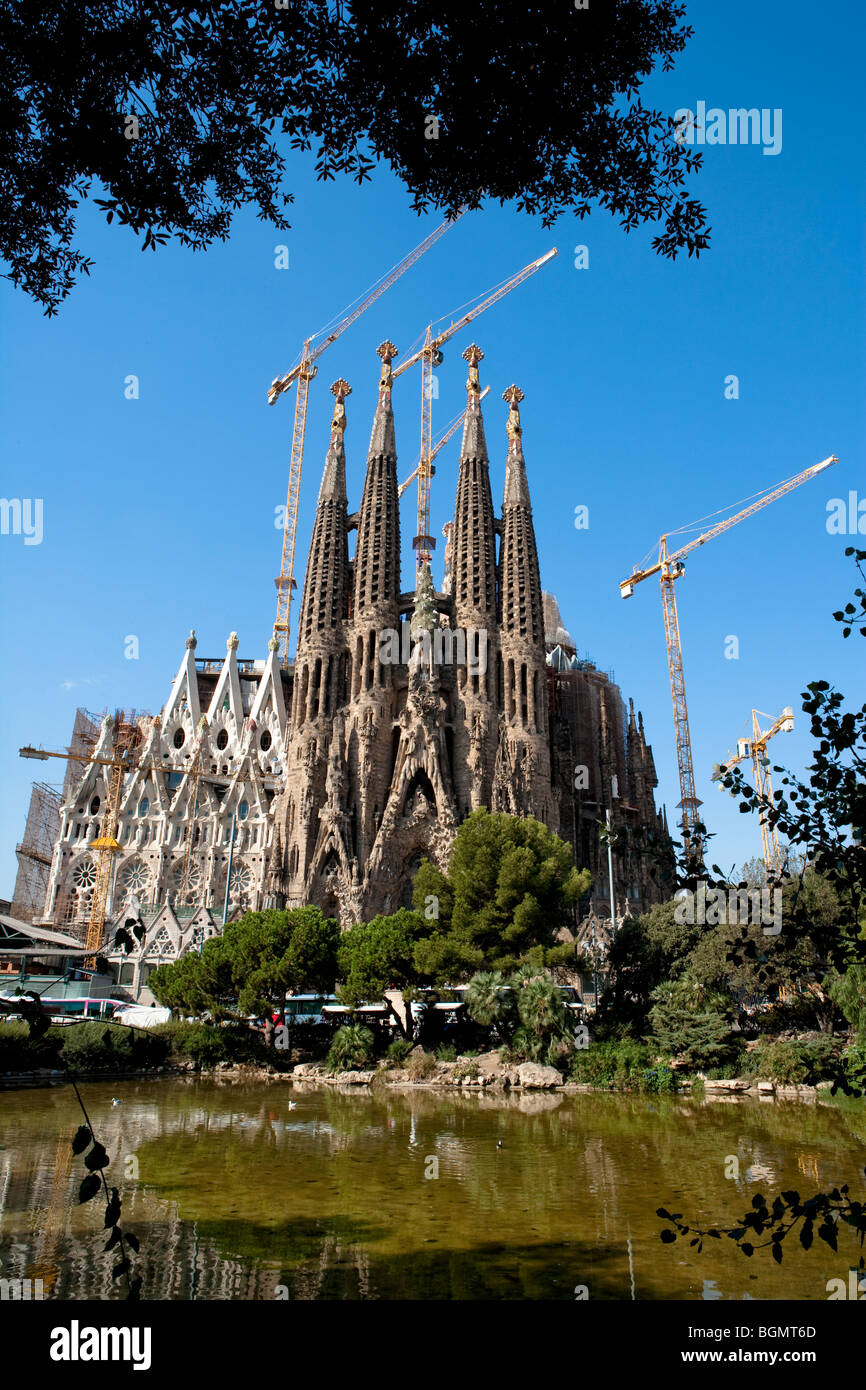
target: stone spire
<point>322,609</point>
<point>522,604</point>
<point>473,558</point>
<point>377,556</point>
<point>522,776</point>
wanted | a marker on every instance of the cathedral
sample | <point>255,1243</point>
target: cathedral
<point>329,779</point>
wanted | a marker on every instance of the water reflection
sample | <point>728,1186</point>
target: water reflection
<point>236,1196</point>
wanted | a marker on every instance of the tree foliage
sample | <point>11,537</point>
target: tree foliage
<point>535,104</point>
<point>380,954</point>
<point>255,963</point>
<point>510,887</point>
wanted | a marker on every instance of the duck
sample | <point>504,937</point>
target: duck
<point>115,1101</point>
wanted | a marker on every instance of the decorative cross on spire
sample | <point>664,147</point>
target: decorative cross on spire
<point>473,355</point>
<point>513,395</point>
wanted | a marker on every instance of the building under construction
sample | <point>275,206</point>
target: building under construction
<point>328,779</point>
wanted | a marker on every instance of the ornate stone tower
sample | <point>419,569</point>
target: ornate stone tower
<point>375,609</point>
<point>472,569</point>
<point>317,849</point>
<point>522,784</point>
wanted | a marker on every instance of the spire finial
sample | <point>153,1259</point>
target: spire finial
<point>340,389</point>
<point>473,355</point>
<point>513,395</point>
<point>387,351</point>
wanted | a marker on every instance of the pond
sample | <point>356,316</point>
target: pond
<point>279,1192</point>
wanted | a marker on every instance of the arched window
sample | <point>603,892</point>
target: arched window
<point>143,806</point>
<point>243,810</point>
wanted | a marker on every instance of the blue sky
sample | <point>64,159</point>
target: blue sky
<point>159,512</point>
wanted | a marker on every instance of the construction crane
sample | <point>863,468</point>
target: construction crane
<point>669,567</point>
<point>303,374</point>
<point>439,446</point>
<point>106,845</point>
<point>756,749</point>
<point>430,356</point>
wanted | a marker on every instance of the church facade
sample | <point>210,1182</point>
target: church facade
<point>328,781</point>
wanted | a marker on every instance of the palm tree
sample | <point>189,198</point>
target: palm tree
<point>484,997</point>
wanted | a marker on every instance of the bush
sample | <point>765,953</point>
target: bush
<point>792,1062</point>
<point>352,1048</point>
<point>622,1066</point>
<point>20,1052</point>
<point>421,1064</point>
<point>399,1050</point>
<point>446,1052</point>
<point>467,1070</point>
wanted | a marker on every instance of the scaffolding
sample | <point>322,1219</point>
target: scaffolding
<point>35,851</point>
<point>42,830</point>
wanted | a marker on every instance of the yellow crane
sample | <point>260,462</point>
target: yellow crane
<point>669,568</point>
<point>439,445</point>
<point>430,356</point>
<point>756,749</point>
<point>303,374</point>
<point>106,845</point>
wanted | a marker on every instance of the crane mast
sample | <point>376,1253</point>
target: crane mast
<point>669,567</point>
<point>757,751</point>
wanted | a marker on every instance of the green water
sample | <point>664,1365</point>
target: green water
<point>233,1195</point>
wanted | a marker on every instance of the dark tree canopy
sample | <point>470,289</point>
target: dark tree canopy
<point>536,104</point>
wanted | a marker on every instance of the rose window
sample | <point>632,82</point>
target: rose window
<point>193,877</point>
<point>84,875</point>
<point>241,881</point>
<point>135,878</point>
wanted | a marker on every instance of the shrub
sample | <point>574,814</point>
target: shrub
<point>619,1066</point>
<point>399,1050</point>
<point>421,1064</point>
<point>792,1062</point>
<point>107,1047</point>
<point>467,1070</point>
<point>446,1052</point>
<point>20,1052</point>
<point>351,1049</point>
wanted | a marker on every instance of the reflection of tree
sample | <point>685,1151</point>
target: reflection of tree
<point>236,1194</point>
